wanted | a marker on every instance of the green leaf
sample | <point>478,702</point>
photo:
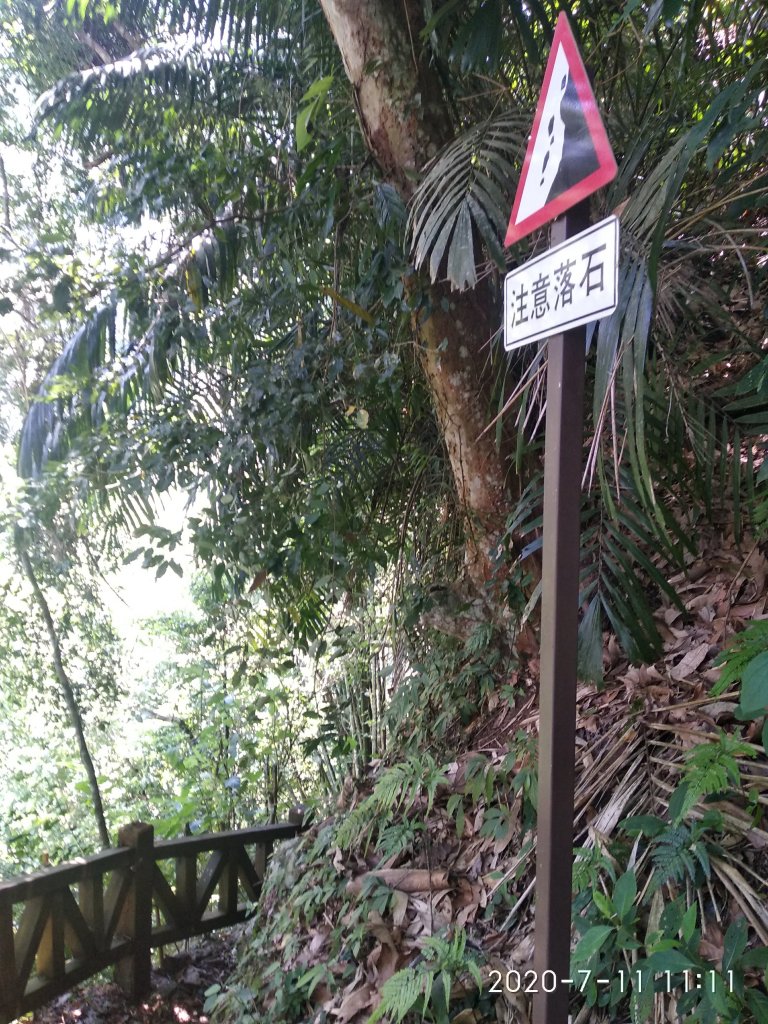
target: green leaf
<point>643,824</point>
<point>758,1004</point>
<point>312,100</point>
<point>754,685</point>
<point>318,89</point>
<point>739,653</point>
<point>672,960</point>
<point>303,136</point>
<point>755,958</point>
<point>591,942</point>
<point>641,997</point>
<point>689,922</point>
<point>624,894</point>
<point>734,943</point>
<point>678,802</point>
<point>461,256</point>
<point>602,903</point>
<point>590,657</point>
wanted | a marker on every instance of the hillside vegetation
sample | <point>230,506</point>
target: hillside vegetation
<point>253,268</point>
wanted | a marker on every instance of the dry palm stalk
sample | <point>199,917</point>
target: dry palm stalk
<point>752,905</point>
<point>404,879</point>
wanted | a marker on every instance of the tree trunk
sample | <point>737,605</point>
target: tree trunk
<point>406,121</point>
<point>70,700</point>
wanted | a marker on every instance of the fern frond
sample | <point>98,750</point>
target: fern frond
<point>399,995</point>
<point>711,768</point>
<point>670,855</point>
<point>398,788</point>
<point>394,839</point>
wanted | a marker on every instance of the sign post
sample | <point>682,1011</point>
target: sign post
<point>559,633</point>
<point>554,296</point>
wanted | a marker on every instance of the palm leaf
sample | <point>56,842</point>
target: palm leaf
<point>70,390</point>
<point>243,24</point>
<point>200,83</point>
<point>465,196</point>
<point>92,378</point>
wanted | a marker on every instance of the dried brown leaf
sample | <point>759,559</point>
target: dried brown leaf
<point>354,1002</point>
<point>690,662</point>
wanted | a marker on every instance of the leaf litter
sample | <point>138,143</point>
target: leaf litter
<point>179,983</point>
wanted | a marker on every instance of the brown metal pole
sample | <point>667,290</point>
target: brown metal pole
<point>559,630</point>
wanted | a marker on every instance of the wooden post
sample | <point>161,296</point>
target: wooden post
<point>261,856</point>
<point>50,951</point>
<point>297,814</point>
<point>186,887</point>
<point>134,972</point>
<point>228,883</point>
<point>8,979</point>
<point>91,900</point>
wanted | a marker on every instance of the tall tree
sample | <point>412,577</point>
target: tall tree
<point>406,122</point>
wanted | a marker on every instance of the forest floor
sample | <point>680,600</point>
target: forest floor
<point>459,855</point>
<point>179,985</point>
<point>466,858</point>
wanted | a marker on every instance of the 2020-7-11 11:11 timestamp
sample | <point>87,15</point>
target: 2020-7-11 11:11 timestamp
<point>530,982</point>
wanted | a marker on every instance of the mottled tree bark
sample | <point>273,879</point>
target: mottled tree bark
<point>406,121</point>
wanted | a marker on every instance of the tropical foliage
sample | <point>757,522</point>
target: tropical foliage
<point>258,263</point>
<point>260,352</point>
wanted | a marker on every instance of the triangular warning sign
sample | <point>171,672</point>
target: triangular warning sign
<point>569,155</point>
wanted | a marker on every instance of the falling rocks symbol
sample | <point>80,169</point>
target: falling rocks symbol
<point>577,143</point>
<point>568,156</point>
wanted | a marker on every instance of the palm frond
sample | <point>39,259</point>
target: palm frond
<point>619,561</point>
<point>621,565</point>
<point>655,210</point>
<point>465,196</point>
<point>243,24</point>
<point>70,390</point>
<point>97,375</point>
<point>191,81</point>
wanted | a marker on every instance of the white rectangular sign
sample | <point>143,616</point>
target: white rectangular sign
<point>565,287</point>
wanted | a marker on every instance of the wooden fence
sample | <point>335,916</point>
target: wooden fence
<point>61,925</point>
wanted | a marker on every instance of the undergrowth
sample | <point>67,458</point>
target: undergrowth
<point>637,913</point>
<point>411,904</point>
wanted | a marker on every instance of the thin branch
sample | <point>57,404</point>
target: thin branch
<point>70,699</point>
<point>126,35</point>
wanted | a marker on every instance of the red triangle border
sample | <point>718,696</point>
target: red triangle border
<point>607,168</point>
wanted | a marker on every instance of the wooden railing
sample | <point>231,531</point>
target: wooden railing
<point>62,925</point>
